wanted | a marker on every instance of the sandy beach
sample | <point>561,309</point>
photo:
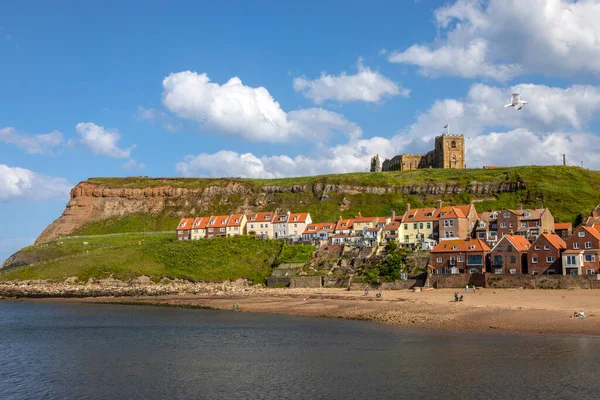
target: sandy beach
<point>545,312</point>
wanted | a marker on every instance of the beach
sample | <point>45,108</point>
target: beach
<point>547,312</point>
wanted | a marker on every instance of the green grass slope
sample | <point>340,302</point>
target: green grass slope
<point>128,256</point>
<point>567,191</point>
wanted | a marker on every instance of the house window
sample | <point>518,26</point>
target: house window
<point>415,225</point>
<point>509,248</point>
<point>537,246</point>
<point>453,145</point>
<point>474,260</point>
<point>503,225</point>
<point>551,271</point>
<point>513,259</point>
<point>497,260</point>
<point>493,234</point>
<point>590,258</point>
<point>473,270</point>
<point>261,225</point>
<point>461,259</point>
<point>534,260</point>
<point>590,272</point>
<point>526,214</point>
<point>499,248</point>
<point>523,224</point>
<point>295,225</point>
<point>251,226</point>
<point>510,225</point>
<point>482,225</point>
<point>571,260</point>
<point>506,215</point>
<point>588,245</point>
<point>513,271</point>
<point>575,245</point>
<point>550,259</point>
<point>429,225</point>
<point>546,247</point>
<point>481,235</point>
<point>421,225</point>
<point>495,215</point>
<point>440,259</point>
<point>581,234</point>
<point>405,226</point>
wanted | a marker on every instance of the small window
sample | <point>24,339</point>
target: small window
<point>440,259</point>
<point>503,225</point>
<point>581,234</point>
<point>405,226</point>
<point>513,271</point>
<point>415,225</point>
<point>506,215</point>
<point>509,248</point>
<point>588,245</point>
<point>421,225</point>
<point>546,247</point>
<point>590,272</point>
<point>537,246</point>
<point>576,245</point>
<point>523,224</point>
<point>499,248</point>
<point>461,259</point>
<point>551,271</point>
<point>589,258</point>
<point>453,145</point>
<point>550,259</point>
<point>534,260</point>
<point>429,225</point>
<point>453,247</point>
<point>513,259</point>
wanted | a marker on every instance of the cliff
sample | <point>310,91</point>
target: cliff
<point>108,205</point>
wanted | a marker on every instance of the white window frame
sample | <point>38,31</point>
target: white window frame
<point>534,260</point>
<point>550,259</point>
<point>581,234</point>
<point>576,245</point>
<point>588,245</point>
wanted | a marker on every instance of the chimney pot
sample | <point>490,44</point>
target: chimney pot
<point>439,204</point>
<point>407,206</point>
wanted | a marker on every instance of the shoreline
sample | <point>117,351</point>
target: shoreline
<point>538,312</point>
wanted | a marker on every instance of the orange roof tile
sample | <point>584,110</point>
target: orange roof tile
<point>392,226</point>
<point>261,217</point>
<point>519,242</point>
<point>554,240</point>
<point>573,251</point>
<point>218,221</point>
<point>185,224</point>
<point>450,246</point>
<point>366,219</point>
<point>298,217</point>
<point>563,225</point>
<point>420,215</point>
<point>344,224</point>
<point>317,227</point>
<point>200,222</point>
<point>592,232</point>
<point>235,220</point>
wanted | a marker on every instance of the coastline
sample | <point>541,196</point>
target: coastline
<point>545,312</point>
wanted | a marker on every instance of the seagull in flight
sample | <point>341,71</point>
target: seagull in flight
<point>516,102</point>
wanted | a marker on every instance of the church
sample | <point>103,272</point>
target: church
<point>449,152</point>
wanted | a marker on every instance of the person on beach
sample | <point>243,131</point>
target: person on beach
<point>366,292</point>
<point>467,289</point>
<point>455,296</point>
<point>473,289</point>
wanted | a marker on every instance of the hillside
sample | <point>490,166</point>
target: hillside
<point>159,256</point>
<point>141,204</point>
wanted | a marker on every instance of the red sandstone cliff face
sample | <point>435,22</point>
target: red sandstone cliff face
<point>93,202</point>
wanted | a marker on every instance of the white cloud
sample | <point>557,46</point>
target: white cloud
<point>18,182</point>
<point>150,114</point>
<point>131,164</point>
<point>365,85</point>
<point>552,124</point>
<point>247,112</point>
<point>32,144</point>
<point>500,39</point>
<point>101,141</point>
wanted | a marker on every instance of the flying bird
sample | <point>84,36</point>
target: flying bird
<point>516,102</point>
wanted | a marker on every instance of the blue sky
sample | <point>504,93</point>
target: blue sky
<point>280,88</point>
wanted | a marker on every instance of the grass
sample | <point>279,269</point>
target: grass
<point>300,253</point>
<point>128,256</point>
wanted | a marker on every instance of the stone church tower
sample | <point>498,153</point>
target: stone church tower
<point>450,152</point>
<point>375,164</point>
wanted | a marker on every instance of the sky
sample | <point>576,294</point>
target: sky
<point>281,88</point>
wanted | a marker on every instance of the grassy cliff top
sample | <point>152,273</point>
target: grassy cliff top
<point>528,174</point>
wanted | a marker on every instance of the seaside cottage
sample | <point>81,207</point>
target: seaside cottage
<point>320,231</point>
<point>453,224</point>
<point>372,237</point>
<point>199,228</point>
<point>418,224</point>
<point>341,239</point>
<point>391,232</point>
<point>217,226</point>
<point>344,226</point>
<point>297,223</point>
<point>280,226</point>
<point>563,229</point>
<point>509,255</point>
<point>260,223</point>
<point>459,256</point>
<point>581,255</point>
<point>544,255</point>
<point>184,229</point>
<point>486,228</point>
<point>236,225</point>
<point>360,222</point>
<point>528,223</point>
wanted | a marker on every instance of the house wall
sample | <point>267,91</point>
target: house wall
<point>183,235</point>
<point>511,260</point>
<point>422,228</point>
<point>460,228</point>
<point>444,260</point>
<point>542,266</point>
<point>198,234</point>
<point>260,228</point>
<point>592,251</point>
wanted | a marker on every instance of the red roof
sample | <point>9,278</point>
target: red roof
<point>453,213</point>
<point>519,242</point>
<point>366,219</point>
<point>450,246</point>
<point>185,224</point>
<point>592,232</point>
<point>261,217</point>
<point>235,220</point>
<point>200,222</point>
<point>554,240</point>
<point>420,215</point>
<point>344,224</point>
<point>392,226</point>
<point>563,225</point>
<point>298,217</point>
<point>218,221</point>
<point>573,251</point>
<point>323,226</point>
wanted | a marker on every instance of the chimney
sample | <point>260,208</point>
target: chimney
<point>359,215</point>
<point>407,207</point>
<point>393,214</point>
<point>520,207</point>
<point>439,204</point>
<point>289,213</point>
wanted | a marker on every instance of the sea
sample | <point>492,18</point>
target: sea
<point>59,350</point>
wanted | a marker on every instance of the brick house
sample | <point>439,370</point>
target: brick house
<point>199,228</point>
<point>391,232</point>
<point>459,256</point>
<point>581,255</point>
<point>563,229</point>
<point>453,225</point>
<point>184,229</point>
<point>236,225</point>
<point>260,223</point>
<point>217,226</point>
<point>544,255</point>
<point>486,228</point>
<point>509,255</point>
<point>467,212</point>
<point>528,223</point>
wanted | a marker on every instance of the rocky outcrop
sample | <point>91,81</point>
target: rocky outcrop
<point>95,201</point>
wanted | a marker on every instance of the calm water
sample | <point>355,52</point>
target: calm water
<point>64,351</point>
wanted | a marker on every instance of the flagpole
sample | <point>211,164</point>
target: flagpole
<point>448,129</point>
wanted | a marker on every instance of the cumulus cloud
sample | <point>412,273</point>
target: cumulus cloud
<point>247,112</point>
<point>365,85</point>
<point>501,39</point>
<point>32,144</point>
<point>18,182</point>
<point>101,141</point>
<point>552,124</point>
